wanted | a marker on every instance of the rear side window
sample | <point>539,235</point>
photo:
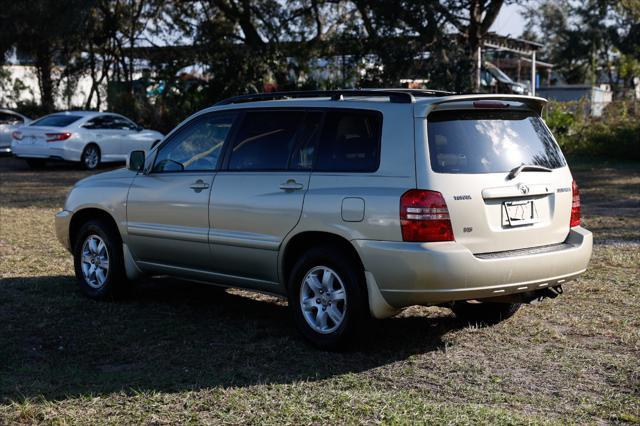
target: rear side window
<point>489,141</point>
<point>265,140</point>
<point>10,119</point>
<point>56,120</point>
<point>350,142</point>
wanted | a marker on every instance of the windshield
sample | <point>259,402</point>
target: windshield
<point>498,74</point>
<point>490,141</point>
<point>56,120</point>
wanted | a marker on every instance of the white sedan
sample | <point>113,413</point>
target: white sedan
<point>9,122</point>
<point>85,136</point>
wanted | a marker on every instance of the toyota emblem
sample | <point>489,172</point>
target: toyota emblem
<point>523,188</point>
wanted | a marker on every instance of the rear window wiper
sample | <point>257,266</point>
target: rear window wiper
<point>526,168</point>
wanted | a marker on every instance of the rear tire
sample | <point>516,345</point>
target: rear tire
<point>98,261</point>
<point>487,312</point>
<point>328,298</point>
<point>90,158</point>
<point>36,163</point>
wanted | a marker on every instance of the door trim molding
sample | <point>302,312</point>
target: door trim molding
<point>244,239</point>
<point>215,277</point>
<point>181,233</point>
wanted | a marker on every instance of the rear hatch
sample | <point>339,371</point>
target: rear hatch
<point>474,153</point>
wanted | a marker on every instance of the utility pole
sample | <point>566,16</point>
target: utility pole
<point>479,69</point>
<point>533,73</point>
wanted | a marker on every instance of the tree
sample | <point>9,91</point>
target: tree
<point>48,33</point>
<point>473,19</point>
<point>589,40</point>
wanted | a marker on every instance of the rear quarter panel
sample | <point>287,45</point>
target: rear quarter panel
<point>380,190</point>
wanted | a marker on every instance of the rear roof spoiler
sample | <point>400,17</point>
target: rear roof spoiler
<point>532,102</point>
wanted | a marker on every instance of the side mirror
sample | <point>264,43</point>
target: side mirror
<point>139,128</point>
<point>135,162</point>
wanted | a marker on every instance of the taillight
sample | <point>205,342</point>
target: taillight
<point>575,205</point>
<point>424,217</point>
<point>17,136</point>
<point>55,137</point>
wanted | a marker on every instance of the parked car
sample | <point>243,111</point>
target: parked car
<point>350,203</point>
<point>9,122</point>
<point>494,80</point>
<point>85,136</point>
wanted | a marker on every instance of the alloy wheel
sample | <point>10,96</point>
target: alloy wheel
<point>323,299</point>
<point>95,261</point>
<point>91,158</point>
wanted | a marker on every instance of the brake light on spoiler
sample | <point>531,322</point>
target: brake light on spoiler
<point>490,104</point>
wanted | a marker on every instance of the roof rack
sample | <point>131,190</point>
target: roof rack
<point>402,96</point>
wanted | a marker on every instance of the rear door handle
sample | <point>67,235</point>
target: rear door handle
<point>291,185</point>
<point>199,185</point>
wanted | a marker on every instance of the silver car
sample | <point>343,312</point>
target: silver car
<point>87,137</point>
<point>9,123</point>
<point>353,204</point>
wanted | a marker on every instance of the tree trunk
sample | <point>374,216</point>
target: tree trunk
<point>474,38</point>
<point>44,68</point>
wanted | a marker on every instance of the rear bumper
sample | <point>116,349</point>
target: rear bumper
<point>63,218</point>
<point>43,152</point>
<point>433,273</point>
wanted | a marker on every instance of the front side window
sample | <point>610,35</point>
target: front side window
<point>195,147</point>
<point>121,123</point>
<point>56,120</point>
<point>100,122</point>
<point>489,141</point>
<point>265,140</point>
<point>350,142</point>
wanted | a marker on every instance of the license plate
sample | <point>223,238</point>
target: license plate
<point>30,140</point>
<point>519,213</point>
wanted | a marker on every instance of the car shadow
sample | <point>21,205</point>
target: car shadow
<point>170,335</point>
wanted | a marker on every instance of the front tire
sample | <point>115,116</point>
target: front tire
<point>99,261</point>
<point>90,158</point>
<point>327,296</point>
<point>487,312</point>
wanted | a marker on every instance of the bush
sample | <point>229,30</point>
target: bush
<point>615,134</point>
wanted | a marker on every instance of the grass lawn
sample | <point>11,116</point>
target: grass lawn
<point>176,352</point>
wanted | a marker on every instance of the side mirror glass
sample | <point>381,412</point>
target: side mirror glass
<point>135,162</point>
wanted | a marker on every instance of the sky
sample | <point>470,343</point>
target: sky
<point>509,21</point>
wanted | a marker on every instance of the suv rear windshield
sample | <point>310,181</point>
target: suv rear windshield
<point>489,141</point>
<point>56,120</point>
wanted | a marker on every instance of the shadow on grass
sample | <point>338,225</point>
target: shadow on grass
<point>170,335</point>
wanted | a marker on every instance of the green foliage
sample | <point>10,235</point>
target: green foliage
<point>588,41</point>
<point>559,119</point>
<point>616,134</point>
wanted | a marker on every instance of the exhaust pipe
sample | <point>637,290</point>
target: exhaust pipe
<point>529,296</point>
<point>551,292</point>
